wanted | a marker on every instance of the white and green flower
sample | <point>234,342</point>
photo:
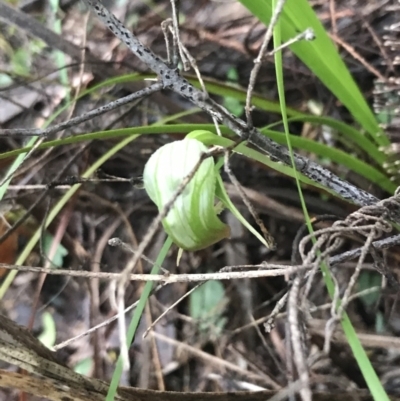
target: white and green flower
<point>192,222</point>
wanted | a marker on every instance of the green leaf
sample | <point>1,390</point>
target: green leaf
<point>57,259</point>
<point>231,103</point>
<point>204,300</point>
<point>84,366</point>
<point>21,62</point>
<point>207,304</point>
<point>48,336</point>
<point>223,196</point>
<point>366,281</point>
<point>321,57</point>
<point>5,80</point>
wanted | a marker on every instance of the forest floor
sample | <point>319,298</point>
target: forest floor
<point>215,339</point>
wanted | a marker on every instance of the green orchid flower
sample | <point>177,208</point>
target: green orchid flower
<point>192,222</point>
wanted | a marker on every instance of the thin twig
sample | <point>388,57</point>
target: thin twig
<point>257,62</point>
<point>296,341</point>
<point>269,270</point>
<point>83,118</point>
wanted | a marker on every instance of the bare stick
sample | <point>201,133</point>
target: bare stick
<point>177,39</point>
<point>269,270</point>
<point>170,308</point>
<point>295,339</point>
<point>257,62</point>
<point>308,34</point>
<point>85,117</point>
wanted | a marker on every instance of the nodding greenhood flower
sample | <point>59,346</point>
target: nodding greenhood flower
<point>192,222</point>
